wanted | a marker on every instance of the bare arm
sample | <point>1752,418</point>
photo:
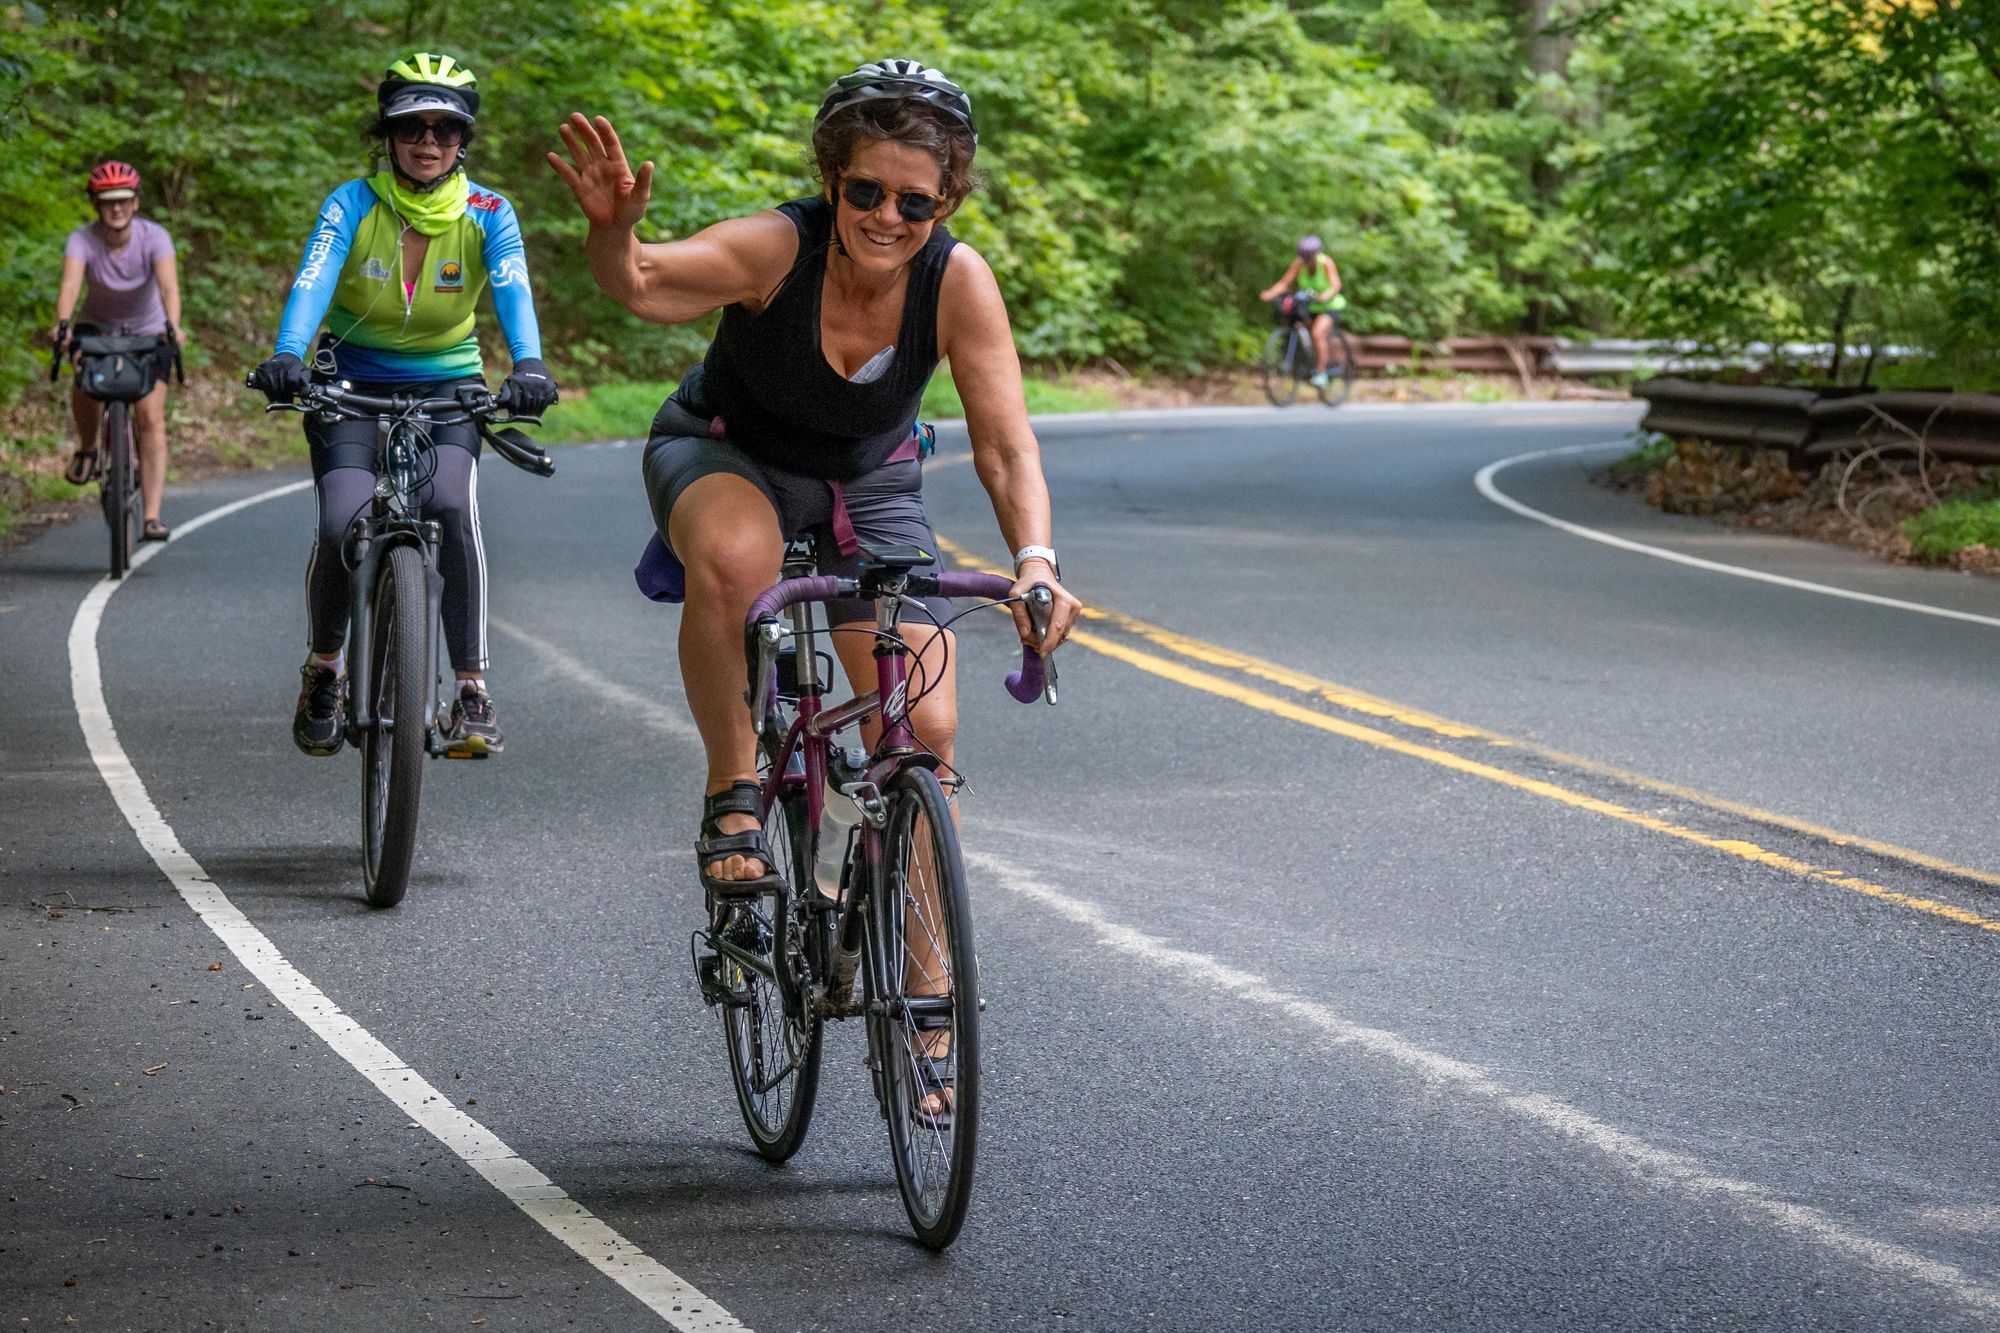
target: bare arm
<point>1333,271</point>
<point>67,293</point>
<point>1282,285</point>
<point>167,273</point>
<point>974,333</point>
<point>676,281</point>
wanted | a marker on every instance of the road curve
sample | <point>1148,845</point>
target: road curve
<point>1412,918</point>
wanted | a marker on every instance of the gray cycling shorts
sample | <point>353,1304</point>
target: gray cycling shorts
<point>885,506</point>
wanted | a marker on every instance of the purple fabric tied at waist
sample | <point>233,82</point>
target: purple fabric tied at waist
<point>660,574</point>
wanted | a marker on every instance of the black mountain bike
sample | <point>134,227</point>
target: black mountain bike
<point>1289,360</point>
<point>396,669</point>
<point>117,370</point>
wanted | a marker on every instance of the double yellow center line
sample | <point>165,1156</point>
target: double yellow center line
<point>1214,655</point>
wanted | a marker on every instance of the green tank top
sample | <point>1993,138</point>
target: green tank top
<point>1315,278</point>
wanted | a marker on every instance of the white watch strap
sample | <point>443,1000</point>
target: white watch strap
<point>1027,553</point>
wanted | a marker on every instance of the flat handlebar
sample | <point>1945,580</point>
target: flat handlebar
<point>479,405</point>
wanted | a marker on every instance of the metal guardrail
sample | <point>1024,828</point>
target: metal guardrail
<point>1814,424</point>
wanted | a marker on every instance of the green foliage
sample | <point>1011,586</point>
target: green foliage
<point>1641,463</point>
<point>614,411</point>
<point>1722,169</point>
<point>1942,531</point>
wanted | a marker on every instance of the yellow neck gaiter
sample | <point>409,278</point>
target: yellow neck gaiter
<point>430,212</point>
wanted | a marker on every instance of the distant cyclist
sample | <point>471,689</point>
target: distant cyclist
<point>133,288</point>
<point>395,267</point>
<point>1313,276</point>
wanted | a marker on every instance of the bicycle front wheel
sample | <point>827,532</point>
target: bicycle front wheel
<point>773,1054</point>
<point>115,487</point>
<point>1281,382</point>
<point>927,1012</point>
<point>392,749</point>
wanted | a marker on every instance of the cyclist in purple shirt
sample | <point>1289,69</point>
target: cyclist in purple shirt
<point>133,288</point>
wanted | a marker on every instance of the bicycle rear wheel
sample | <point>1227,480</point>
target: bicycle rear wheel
<point>1281,382</point>
<point>116,485</point>
<point>773,1055</point>
<point>1339,370</point>
<point>927,1012</point>
<point>392,750</point>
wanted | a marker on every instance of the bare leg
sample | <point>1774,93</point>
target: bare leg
<point>1323,341</point>
<point>726,535</point>
<point>89,416</point>
<point>149,420</point>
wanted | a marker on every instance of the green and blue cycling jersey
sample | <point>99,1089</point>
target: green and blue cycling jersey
<point>388,326</point>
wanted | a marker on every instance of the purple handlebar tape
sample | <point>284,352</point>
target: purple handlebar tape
<point>1025,684</point>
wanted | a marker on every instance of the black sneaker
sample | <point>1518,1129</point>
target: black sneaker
<point>319,727</point>
<point>473,732</point>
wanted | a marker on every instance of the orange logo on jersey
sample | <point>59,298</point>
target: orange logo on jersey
<point>450,276</point>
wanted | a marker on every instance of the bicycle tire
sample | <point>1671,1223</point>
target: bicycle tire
<point>777,1105</point>
<point>1340,374</point>
<point>1281,386</point>
<point>115,488</point>
<point>934,1163</point>
<point>393,749</point>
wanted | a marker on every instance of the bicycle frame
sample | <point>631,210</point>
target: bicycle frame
<point>392,522</point>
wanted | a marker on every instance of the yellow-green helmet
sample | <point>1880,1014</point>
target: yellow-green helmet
<point>427,82</point>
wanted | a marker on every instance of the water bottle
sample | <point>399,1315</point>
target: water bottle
<point>837,817</point>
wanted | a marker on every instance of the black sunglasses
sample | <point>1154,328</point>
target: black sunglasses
<point>866,195</point>
<point>411,130</point>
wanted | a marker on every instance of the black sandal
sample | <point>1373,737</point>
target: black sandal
<point>82,469</point>
<point>740,798</point>
<point>155,531</point>
<point>936,1076</point>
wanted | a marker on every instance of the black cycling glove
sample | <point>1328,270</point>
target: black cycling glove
<point>529,391</point>
<point>282,378</point>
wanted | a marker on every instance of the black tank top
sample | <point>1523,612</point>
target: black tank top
<point>767,377</point>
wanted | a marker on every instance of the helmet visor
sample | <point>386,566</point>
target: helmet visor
<point>110,196</point>
<point>412,101</point>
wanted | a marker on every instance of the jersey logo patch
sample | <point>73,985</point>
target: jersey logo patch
<point>375,270</point>
<point>450,276</point>
<point>484,202</point>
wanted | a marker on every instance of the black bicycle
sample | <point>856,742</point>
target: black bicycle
<point>872,919</point>
<point>1289,361</point>
<point>117,370</point>
<point>396,669</point>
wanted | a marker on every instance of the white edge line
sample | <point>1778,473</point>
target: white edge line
<point>1484,481</point>
<point>661,1290</point>
<point>1652,1165</point>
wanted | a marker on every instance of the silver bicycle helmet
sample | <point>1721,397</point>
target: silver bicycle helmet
<point>880,79</point>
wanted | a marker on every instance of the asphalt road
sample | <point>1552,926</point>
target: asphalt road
<point>1310,1007</point>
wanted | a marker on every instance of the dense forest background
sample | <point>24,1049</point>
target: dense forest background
<point>1724,170</point>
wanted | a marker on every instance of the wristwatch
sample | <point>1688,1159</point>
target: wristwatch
<point>1027,553</point>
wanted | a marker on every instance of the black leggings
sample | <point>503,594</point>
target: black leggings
<point>343,458</point>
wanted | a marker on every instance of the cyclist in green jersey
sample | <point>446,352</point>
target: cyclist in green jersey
<point>1312,272</point>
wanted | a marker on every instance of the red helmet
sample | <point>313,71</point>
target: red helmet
<point>113,180</point>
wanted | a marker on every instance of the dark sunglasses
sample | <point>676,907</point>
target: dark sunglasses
<point>411,130</point>
<point>866,195</point>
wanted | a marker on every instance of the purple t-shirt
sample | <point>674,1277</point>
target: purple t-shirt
<point>123,295</point>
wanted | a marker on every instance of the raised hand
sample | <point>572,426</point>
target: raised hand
<point>603,183</point>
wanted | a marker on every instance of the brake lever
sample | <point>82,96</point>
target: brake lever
<point>1041,603</point>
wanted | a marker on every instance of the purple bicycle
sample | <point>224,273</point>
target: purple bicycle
<point>873,889</point>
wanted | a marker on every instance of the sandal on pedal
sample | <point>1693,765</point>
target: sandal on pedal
<point>156,531</point>
<point>936,1076</point>
<point>82,469</point>
<point>740,798</point>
